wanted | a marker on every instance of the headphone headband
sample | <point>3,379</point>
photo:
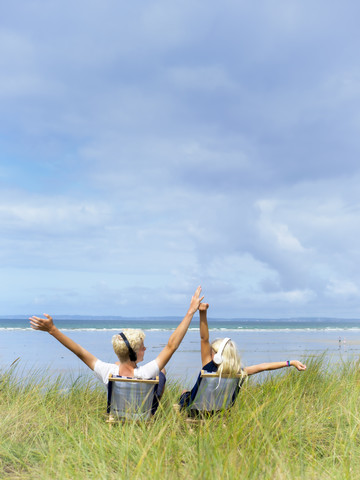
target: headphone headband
<point>218,355</point>
<point>132,353</point>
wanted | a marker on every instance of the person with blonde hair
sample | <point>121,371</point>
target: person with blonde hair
<point>222,356</point>
<point>129,348</point>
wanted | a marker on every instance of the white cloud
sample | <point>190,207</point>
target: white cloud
<point>51,215</point>
<point>157,146</point>
<point>342,288</point>
<point>270,229</point>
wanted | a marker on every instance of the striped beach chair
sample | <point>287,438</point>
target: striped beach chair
<point>130,398</point>
<point>215,394</point>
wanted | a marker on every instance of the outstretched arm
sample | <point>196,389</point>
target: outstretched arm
<point>262,367</point>
<point>47,325</point>
<point>204,335</point>
<point>176,337</point>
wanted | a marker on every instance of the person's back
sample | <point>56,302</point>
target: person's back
<point>128,346</point>
<point>222,356</point>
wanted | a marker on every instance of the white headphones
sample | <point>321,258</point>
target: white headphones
<point>218,355</point>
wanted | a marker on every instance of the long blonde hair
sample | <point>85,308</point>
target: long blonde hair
<point>231,364</point>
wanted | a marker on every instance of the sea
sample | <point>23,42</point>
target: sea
<point>32,352</point>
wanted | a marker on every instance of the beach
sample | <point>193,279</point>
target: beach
<point>284,424</point>
<point>38,351</point>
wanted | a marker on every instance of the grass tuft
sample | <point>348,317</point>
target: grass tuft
<point>290,426</point>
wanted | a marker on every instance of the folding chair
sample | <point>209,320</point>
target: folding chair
<point>130,398</point>
<point>215,394</point>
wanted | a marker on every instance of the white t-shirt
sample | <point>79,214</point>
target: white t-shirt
<point>102,370</point>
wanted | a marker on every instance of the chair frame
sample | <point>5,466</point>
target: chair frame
<point>194,414</point>
<point>113,418</point>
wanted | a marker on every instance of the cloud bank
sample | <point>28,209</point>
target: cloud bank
<point>149,148</point>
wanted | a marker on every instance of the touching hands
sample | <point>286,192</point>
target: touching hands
<point>195,301</point>
<point>203,307</point>
<point>44,324</point>
<point>300,366</point>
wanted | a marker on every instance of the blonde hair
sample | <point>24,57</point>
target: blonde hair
<point>231,364</point>
<point>135,338</point>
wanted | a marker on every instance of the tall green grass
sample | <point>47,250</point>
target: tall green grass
<point>290,426</point>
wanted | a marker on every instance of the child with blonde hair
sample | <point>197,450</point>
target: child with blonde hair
<point>222,356</point>
<point>129,348</point>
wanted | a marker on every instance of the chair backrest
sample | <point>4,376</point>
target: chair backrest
<point>216,392</point>
<point>131,398</point>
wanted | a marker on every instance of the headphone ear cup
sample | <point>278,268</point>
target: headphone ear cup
<point>132,355</point>
<point>218,355</point>
<point>217,358</point>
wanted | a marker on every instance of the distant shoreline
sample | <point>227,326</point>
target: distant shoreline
<point>177,317</point>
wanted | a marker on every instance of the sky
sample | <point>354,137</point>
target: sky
<point>149,147</point>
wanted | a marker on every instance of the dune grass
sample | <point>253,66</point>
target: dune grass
<point>290,426</point>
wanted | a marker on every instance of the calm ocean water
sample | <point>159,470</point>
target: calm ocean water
<point>258,340</point>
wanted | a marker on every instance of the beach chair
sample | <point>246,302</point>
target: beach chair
<point>215,394</point>
<point>130,398</point>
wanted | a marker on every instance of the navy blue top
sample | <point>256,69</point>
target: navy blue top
<point>210,367</point>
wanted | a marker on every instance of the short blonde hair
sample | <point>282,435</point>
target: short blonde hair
<point>135,338</point>
<point>231,364</point>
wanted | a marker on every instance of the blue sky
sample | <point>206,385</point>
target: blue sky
<point>149,147</point>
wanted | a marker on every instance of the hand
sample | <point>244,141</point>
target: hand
<point>44,324</point>
<point>195,301</point>
<point>300,366</point>
<point>203,307</point>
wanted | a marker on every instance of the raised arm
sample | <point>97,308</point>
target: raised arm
<point>176,337</point>
<point>262,367</point>
<point>204,335</point>
<point>47,325</point>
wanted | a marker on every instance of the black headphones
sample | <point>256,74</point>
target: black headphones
<point>132,354</point>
